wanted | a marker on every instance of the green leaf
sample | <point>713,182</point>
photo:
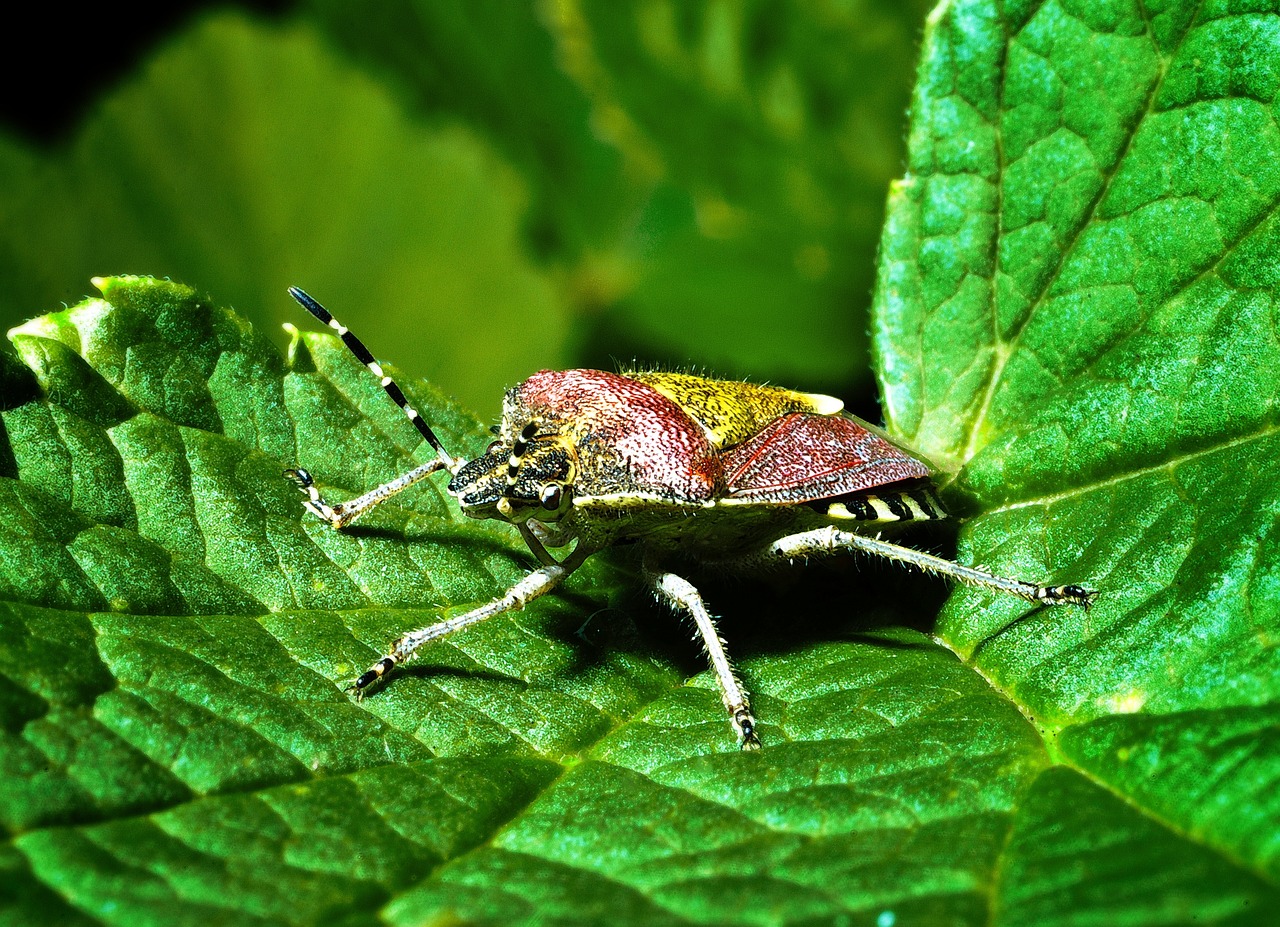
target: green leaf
<point>1076,318</point>
<point>460,60</point>
<point>490,173</point>
<point>774,148</point>
<point>175,637</point>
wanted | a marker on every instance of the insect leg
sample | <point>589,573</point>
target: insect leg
<point>537,583</point>
<point>831,539</point>
<point>535,544</point>
<point>681,595</point>
<point>344,513</point>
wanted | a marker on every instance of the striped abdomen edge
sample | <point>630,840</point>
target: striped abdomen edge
<point>919,503</point>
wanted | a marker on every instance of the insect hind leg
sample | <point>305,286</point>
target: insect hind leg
<point>830,540</point>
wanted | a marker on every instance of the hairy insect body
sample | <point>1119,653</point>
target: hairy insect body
<point>708,469</point>
<point>686,468</point>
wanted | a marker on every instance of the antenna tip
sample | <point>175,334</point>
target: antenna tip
<point>309,304</point>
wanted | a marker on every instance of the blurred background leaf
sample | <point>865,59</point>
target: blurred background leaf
<point>483,189</point>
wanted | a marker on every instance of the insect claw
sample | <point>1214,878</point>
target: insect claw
<point>371,676</point>
<point>1067,595</point>
<point>1080,595</point>
<point>300,478</point>
<point>746,726</point>
<point>335,515</point>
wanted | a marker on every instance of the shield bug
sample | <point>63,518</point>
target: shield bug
<point>685,468</point>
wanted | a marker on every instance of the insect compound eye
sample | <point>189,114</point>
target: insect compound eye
<point>550,496</point>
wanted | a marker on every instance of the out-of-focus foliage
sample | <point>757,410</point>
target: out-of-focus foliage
<point>484,189</point>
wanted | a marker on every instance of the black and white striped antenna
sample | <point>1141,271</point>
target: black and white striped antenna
<point>356,347</point>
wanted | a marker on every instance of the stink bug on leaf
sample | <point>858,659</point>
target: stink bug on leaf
<point>709,471</point>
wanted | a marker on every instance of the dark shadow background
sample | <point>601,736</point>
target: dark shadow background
<point>80,56</point>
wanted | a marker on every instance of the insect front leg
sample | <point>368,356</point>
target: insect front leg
<point>536,584</point>
<point>829,539</point>
<point>342,514</point>
<point>681,595</point>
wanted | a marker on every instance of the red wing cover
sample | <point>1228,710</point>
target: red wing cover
<point>801,457</point>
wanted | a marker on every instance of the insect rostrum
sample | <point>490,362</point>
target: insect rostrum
<point>685,467</point>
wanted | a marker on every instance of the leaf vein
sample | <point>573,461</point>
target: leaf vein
<point>1069,246</point>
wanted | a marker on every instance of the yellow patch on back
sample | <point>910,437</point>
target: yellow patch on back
<point>731,411</point>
